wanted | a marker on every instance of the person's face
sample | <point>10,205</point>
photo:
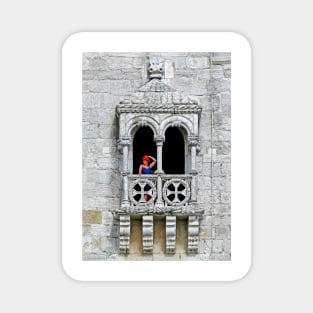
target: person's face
<point>145,162</point>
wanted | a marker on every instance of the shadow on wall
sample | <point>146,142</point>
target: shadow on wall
<point>159,236</point>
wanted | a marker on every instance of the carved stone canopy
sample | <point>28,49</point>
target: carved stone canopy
<point>157,92</point>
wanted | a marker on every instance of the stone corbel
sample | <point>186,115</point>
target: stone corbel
<point>124,233</point>
<point>193,234</point>
<point>170,234</point>
<point>147,233</point>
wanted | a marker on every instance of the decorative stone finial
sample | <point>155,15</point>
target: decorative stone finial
<point>156,67</point>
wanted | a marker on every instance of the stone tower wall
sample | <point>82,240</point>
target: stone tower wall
<point>107,79</point>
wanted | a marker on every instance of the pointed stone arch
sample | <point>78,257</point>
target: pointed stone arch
<point>177,121</point>
<point>141,121</point>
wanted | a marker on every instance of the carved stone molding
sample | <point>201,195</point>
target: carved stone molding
<point>147,233</point>
<point>193,234</point>
<point>160,209</point>
<point>170,234</point>
<point>155,108</point>
<point>124,233</point>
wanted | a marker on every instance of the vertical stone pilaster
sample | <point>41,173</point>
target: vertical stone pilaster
<point>193,158</point>
<point>193,234</point>
<point>194,146</point>
<point>124,233</point>
<point>193,142</point>
<point>125,200</point>
<point>194,188</point>
<point>147,233</point>
<point>170,234</point>
<point>125,158</point>
<point>159,202</point>
<point>124,143</point>
<point>159,143</point>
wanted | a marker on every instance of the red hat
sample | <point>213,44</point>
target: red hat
<point>145,158</point>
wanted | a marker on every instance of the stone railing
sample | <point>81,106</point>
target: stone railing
<point>174,189</point>
<point>159,194</point>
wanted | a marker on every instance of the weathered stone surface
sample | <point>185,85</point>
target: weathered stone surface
<point>121,87</point>
<point>221,58</point>
<point>99,86</point>
<point>108,75</point>
<point>205,232</point>
<point>93,100</point>
<point>197,62</point>
<point>92,217</point>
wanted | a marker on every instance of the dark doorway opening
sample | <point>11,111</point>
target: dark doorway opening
<point>143,145</point>
<point>173,160</point>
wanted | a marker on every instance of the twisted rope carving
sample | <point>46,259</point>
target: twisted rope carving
<point>161,108</point>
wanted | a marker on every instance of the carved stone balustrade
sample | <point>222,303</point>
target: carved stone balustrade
<point>172,197</point>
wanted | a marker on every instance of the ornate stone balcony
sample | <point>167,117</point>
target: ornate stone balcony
<point>159,194</point>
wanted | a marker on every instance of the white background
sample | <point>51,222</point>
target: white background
<point>72,52</point>
<point>32,33</point>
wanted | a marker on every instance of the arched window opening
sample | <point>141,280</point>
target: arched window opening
<point>143,144</point>
<point>173,159</point>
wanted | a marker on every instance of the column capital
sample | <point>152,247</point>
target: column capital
<point>159,139</point>
<point>123,141</point>
<point>194,141</point>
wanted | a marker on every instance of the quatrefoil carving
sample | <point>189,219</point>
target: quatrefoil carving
<point>141,187</point>
<point>176,192</point>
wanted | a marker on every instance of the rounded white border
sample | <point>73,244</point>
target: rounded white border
<point>72,261</point>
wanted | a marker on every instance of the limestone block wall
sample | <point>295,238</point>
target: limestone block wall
<point>107,79</point>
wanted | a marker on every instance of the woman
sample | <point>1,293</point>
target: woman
<point>145,169</point>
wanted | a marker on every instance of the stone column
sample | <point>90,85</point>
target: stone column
<point>125,158</point>
<point>159,143</point>
<point>193,142</point>
<point>194,187</point>
<point>193,158</point>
